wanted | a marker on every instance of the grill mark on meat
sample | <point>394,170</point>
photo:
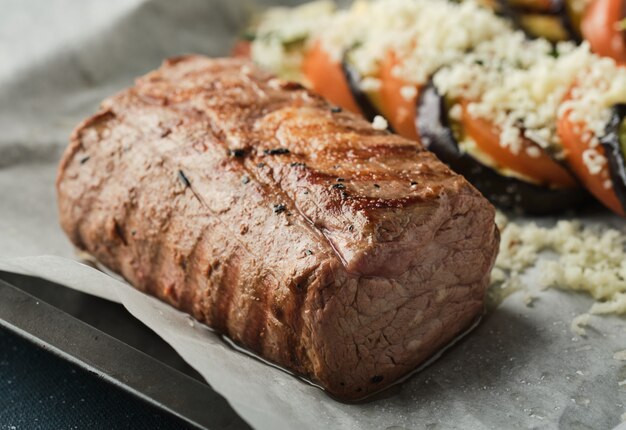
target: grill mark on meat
<point>297,317</point>
<point>119,232</point>
<point>249,163</point>
<point>75,147</point>
<point>221,308</point>
<point>256,322</point>
<point>224,295</point>
<point>223,136</point>
<point>299,288</point>
<point>192,267</point>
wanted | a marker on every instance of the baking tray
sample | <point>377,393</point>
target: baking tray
<point>103,338</point>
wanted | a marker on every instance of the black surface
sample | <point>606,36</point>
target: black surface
<point>42,391</point>
<point>96,335</point>
<point>108,317</point>
<point>612,145</point>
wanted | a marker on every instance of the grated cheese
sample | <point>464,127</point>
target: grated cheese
<point>593,160</point>
<point>408,92</point>
<point>280,28</point>
<point>588,259</point>
<point>513,82</point>
<point>426,34</point>
<point>520,86</point>
<point>579,323</point>
<point>369,84</point>
<point>379,123</point>
<point>470,53</point>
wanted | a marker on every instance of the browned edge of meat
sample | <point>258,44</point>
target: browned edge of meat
<point>346,254</point>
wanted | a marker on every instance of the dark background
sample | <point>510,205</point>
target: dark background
<point>41,391</point>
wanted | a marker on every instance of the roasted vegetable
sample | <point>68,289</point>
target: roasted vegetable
<point>614,144</point>
<point>363,100</point>
<point>601,27</point>
<point>508,192</point>
<point>601,179</point>
<point>530,161</point>
<point>396,105</point>
<point>327,78</point>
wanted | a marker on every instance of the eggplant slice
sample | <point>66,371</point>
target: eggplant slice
<point>353,77</point>
<point>503,191</point>
<point>555,24</point>
<point>614,154</point>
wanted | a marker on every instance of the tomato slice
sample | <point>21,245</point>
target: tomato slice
<point>599,28</point>
<point>326,78</point>
<point>541,168</point>
<point>571,135</point>
<point>242,49</point>
<point>398,110</point>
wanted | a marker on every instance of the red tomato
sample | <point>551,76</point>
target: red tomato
<point>571,135</point>
<point>326,78</point>
<point>542,168</point>
<point>399,111</point>
<point>599,27</point>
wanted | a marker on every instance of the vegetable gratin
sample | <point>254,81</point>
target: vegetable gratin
<point>527,121</point>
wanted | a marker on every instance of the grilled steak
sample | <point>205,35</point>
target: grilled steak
<point>347,254</point>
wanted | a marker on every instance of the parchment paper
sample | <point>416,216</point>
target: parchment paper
<point>521,368</point>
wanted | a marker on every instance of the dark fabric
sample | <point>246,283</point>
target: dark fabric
<point>41,391</point>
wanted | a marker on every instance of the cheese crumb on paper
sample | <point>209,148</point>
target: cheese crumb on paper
<point>379,123</point>
<point>588,259</point>
<point>579,323</point>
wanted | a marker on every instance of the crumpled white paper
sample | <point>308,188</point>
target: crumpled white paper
<point>521,368</point>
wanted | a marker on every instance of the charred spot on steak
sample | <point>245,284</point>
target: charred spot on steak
<point>119,232</point>
<point>376,379</point>
<point>279,208</point>
<point>237,152</point>
<point>276,151</point>
<point>182,178</point>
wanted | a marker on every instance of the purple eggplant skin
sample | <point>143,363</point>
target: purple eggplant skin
<point>613,151</point>
<point>506,192</point>
<point>567,22</point>
<point>557,8</point>
<point>353,78</point>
